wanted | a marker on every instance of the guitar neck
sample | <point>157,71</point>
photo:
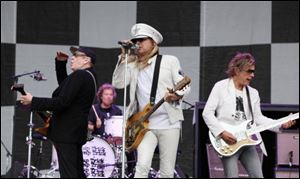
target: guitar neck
<point>154,108</point>
<point>42,115</point>
<point>273,124</point>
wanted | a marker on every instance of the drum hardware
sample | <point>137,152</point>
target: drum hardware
<point>8,154</point>
<point>114,164</point>
<point>49,173</point>
<point>89,135</point>
<point>34,172</point>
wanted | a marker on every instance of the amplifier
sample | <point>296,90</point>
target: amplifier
<point>286,172</point>
<point>215,165</point>
<point>288,148</point>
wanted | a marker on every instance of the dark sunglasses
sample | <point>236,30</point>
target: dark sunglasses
<point>250,71</point>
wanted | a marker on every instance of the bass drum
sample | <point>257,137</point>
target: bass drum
<point>98,159</point>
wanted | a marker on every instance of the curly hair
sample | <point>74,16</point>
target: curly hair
<point>239,61</point>
<point>104,87</point>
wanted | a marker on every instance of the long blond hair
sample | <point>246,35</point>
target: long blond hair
<point>142,62</point>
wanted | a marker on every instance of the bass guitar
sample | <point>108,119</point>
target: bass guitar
<point>137,124</point>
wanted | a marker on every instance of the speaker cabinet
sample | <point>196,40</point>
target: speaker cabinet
<point>285,172</point>
<point>288,148</point>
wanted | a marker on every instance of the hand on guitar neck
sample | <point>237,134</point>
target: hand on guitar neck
<point>288,124</point>
<point>19,88</point>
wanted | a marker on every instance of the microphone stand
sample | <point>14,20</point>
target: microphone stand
<point>124,113</point>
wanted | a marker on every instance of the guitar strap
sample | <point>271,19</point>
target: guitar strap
<point>94,84</point>
<point>89,136</point>
<point>249,103</point>
<point>155,79</point>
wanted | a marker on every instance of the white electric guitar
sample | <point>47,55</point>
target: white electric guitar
<point>245,136</point>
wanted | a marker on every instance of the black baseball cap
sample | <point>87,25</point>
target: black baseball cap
<point>89,52</point>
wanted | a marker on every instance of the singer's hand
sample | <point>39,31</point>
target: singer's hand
<point>26,99</point>
<point>61,56</point>
<point>128,41</point>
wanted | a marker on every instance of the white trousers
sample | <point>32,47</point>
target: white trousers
<point>167,141</point>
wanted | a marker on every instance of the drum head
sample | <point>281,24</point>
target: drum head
<point>98,158</point>
<point>113,126</point>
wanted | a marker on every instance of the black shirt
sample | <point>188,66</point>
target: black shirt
<point>103,115</point>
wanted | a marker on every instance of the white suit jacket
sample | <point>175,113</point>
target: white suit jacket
<point>221,106</point>
<point>169,76</point>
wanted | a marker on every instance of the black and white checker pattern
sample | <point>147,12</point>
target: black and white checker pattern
<point>203,35</point>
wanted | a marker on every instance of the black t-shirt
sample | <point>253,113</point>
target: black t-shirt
<point>103,114</point>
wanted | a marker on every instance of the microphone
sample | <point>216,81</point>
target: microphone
<point>128,45</point>
<point>38,76</point>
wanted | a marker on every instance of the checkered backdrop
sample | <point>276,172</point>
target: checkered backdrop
<point>203,35</point>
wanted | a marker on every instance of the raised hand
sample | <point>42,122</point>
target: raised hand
<point>61,56</point>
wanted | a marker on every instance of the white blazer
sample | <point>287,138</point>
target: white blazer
<point>221,106</point>
<point>169,76</point>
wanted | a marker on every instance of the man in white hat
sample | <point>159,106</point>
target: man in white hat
<point>165,122</point>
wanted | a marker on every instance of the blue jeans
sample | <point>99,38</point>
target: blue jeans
<point>249,159</point>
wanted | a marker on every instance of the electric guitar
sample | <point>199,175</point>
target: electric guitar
<point>137,124</point>
<point>46,117</point>
<point>245,136</point>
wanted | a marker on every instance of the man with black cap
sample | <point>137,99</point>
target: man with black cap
<point>165,123</point>
<point>71,102</point>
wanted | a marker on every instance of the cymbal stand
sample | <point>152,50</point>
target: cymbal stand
<point>30,125</point>
<point>30,144</point>
<point>8,154</point>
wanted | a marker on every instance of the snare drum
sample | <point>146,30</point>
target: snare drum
<point>98,159</point>
<point>113,126</point>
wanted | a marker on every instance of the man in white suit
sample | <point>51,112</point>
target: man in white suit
<point>165,122</point>
<point>228,103</point>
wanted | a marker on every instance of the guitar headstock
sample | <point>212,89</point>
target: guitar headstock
<point>182,83</point>
<point>19,88</point>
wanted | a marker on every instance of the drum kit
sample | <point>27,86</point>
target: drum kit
<point>102,156</point>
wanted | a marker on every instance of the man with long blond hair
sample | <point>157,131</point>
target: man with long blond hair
<point>165,122</point>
